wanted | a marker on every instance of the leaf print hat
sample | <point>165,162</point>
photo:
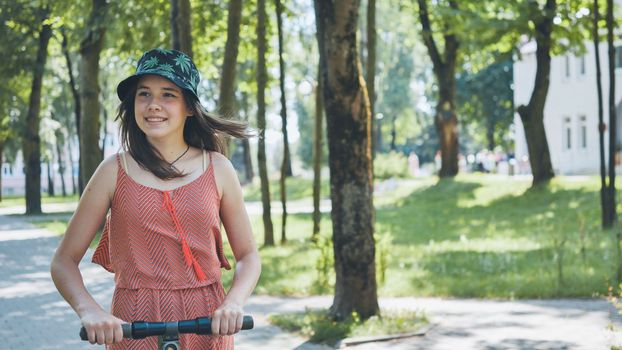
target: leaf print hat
<point>171,64</point>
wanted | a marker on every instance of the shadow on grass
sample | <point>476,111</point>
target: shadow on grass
<point>508,274</point>
<point>436,213</point>
<point>44,216</point>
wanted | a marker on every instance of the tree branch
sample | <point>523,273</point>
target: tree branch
<point>426,33</point>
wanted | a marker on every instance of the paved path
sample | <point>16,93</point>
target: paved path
<point>34,316</point>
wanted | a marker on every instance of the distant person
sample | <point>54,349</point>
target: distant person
<point>167,193</point>
<point>413,164</point>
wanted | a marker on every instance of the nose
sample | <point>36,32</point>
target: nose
<point>153,106</point>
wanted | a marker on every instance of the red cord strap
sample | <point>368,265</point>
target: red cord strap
<point>185,248</point>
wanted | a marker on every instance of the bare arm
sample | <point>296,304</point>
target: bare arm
<point>94,204</point>
<point>228,318</point>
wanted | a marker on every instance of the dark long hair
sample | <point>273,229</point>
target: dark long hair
<point>203,130</point>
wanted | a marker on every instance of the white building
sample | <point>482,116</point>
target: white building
<point>571,110</point>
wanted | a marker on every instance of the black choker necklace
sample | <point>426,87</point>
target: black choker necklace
<point>178,158</point>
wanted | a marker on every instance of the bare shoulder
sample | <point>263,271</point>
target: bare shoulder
<point>109,164</point>
<point>226,176</point>
<point>105,176</point>
<point>221,163</point>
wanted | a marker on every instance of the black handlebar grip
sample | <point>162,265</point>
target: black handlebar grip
<point>127,331</point>
<point>247,322</point>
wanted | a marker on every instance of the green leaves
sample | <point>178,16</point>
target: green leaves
<point>183,62</point>
<point>148,64</point>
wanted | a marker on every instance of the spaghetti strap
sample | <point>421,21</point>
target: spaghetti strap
<point>124,163</point>
<point>204,160</point>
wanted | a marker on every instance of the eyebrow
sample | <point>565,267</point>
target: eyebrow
<point>164,88</point>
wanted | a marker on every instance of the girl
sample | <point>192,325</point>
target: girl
<point>167,195</point>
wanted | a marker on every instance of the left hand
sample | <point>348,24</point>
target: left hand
<point>227,319</point>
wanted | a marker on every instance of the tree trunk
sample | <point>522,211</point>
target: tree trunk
<point>349,139</point>
<point>286,166</point>
<point>393,132</point>
<point>32,142</point>
<point>227,80</point>
<point>287,163</point>
<point>262,79</point>
<point>74,186</point>
<point>90,48</point>
<point>378,142</point>
<point>611,196</point>
<point>370,78</point>
<point>104,131</point>
<point>444,67</point>
<point>287,159</point>
<point>446,123</point>
<point>229,65</point>
<point>77,107</point>
<point>601,125</point>
<point>248,162</point>
<point>181,32</point>
<point>51,191</point>
<point>317,155</point>
<point>61,164</point>
<point>532,114</point>
<point>490,132</point>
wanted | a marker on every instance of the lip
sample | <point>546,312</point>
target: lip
<point>155,119</point>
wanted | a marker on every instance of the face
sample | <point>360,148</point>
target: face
<point>159,108</point>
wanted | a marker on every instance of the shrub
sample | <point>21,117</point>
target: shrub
<point>392,164</point>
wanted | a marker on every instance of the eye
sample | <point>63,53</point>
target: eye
<point>168,94</point>
<point>143,93</point>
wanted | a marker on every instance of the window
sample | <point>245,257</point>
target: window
<point>581,65</point>
<point>583,132</point>
<point>566,67</point>
<point>618,57</point>
<point>567,136</point>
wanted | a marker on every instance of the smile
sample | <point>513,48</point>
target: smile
<point>155,119</point>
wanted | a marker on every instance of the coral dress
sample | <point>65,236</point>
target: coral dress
<point>165,249</point>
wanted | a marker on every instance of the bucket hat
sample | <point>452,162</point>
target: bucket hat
<point>173,65</point>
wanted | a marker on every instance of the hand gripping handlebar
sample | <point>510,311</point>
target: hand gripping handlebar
<point>140,329</point>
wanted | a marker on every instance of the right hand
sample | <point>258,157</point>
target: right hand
<point>102,327</point>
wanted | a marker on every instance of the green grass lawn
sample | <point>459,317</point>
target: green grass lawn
<point>319,327</point>
<point>13,201</point>
<point>473,236</point>
<point>295,188</point>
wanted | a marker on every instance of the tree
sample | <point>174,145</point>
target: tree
<point>227,80</point>
<point>370,68</point>
<point>532,114</point>
<point>396,96</point>
<point>77,107</point>
<point>486,101</point>
<point>349,141</point>
<point>317,154</point>
<point>31,140</point>
<point>262,79</point>
<point>90,49</point>
<point>286,165</point>
<point>21,23</point>
<point>181,32</point>
<point>605,204</point>
<point>246,148</point>
<point>611,189</point>
<point>444,64</point>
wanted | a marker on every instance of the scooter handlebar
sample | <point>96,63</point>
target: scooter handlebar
<point>141,329</point>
